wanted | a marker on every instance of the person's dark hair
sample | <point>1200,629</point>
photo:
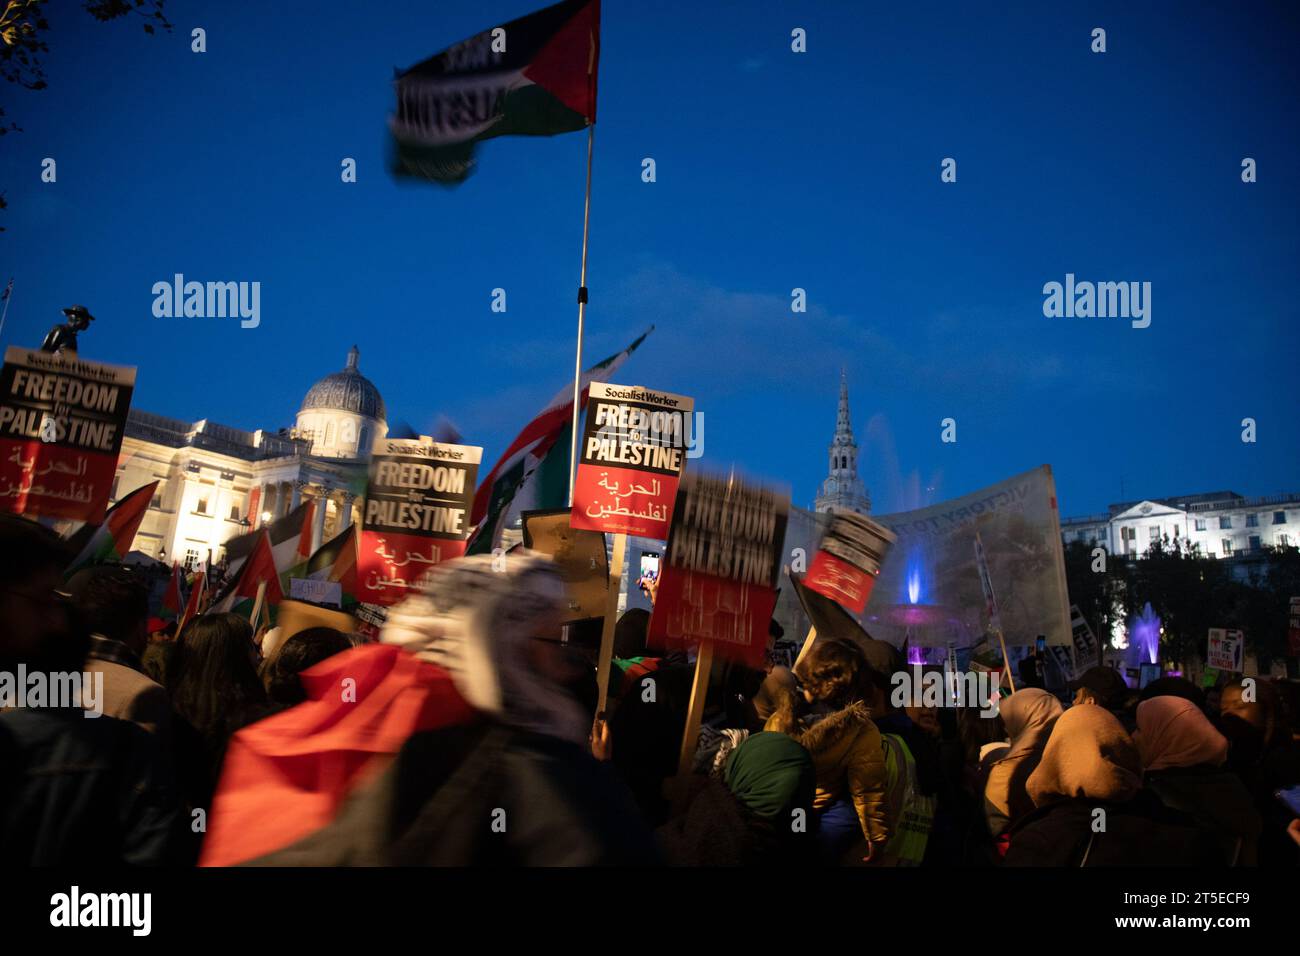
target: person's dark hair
<point>1173,687</point>
<point>305,649</point>
<point>630,633</point>
<point>833,673</point>
<point>212,675</point>
<point>27,548</point>
<point>112,600</point>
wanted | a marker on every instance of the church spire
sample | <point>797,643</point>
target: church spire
<point>843,428</point>
<point>843,490</point>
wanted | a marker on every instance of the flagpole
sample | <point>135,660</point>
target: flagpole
<point>582,307</point>
<point>9,294</point>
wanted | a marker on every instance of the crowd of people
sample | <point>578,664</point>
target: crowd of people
<point>503,755</point>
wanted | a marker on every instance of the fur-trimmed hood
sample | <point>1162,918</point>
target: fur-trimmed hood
<point>834,729</point>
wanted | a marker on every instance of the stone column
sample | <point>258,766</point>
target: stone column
<point>345,519</point>
<point>318,520</point>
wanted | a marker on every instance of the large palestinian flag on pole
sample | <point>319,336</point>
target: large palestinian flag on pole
<point>533,473</point>
<point>535,76</point>
<point>109,543</point>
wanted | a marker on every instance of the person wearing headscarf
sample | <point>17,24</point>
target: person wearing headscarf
<point>1185,758</point>
<point>1028,716</point>
<point>1091,809</point>
<point>494,769</point>
<point>516,784</point>
<point>759,814</point>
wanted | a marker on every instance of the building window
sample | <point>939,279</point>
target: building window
<point>202,506</point>
<point>1200,524</point>
<point>329,434</point>
<point>1225,522</point>
<point>1227,547</point>
<point>234,512</point>
<point>361,442</point>
<point>1254,542</point>
<point>1155,534</point>
<point>1279,517</point>
<point>1284,541</point>
<point>1252,521</point>
<point>191,559</point>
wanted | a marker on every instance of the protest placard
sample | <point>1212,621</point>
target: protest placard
<point>719,574</point>
<point>632,455</point>
<point>1226,650</point>
<point>717,582</point>
<point>848,560</point>
<point>61,425</point>
<point>316,592</point>
<point>1086,653</point>
<point>416,513</point>
<point>579,555</point>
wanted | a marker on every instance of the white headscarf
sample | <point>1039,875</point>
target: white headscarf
<point>474,617</point>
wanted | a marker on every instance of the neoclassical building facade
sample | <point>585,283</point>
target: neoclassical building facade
<point>216,482</point>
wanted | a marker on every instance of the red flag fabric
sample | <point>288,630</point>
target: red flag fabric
<point>194,606</point>
<point>171,602</point>
<point>286,776</point>
<point>261,567</point>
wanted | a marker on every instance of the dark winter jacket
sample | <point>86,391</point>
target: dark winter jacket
<point>1216,798</point>
<point>81,791</point>
<point>1137,832</point>
<point>482,794</point>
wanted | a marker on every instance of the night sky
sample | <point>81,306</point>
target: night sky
<point>775,170</point>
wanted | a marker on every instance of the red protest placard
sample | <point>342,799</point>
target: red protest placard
<point>61,425</point>
<point>718,579</point>
<point>632,454</point>
<point>849,559</point>
<point>416,514</point>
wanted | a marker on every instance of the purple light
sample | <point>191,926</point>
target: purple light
<point>916,655</point>
<point>1145,632</point>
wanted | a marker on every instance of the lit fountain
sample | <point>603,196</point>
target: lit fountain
<point>1144,634</point>
<point>915,623</point>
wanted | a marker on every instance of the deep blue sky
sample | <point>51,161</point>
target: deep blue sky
<point>775,170</point>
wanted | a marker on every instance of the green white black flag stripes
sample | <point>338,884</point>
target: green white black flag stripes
<point>533,472</point>
<point>534,76</point>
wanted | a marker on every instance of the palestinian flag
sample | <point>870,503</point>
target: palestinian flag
<point>535,76</point>
<point>290,541</point>
<point>110,541</point>
<point>336,560</point>
<point>258,568</point>
<point>301,552</point>
<point>171,602</point>
<point>194,606</point>
<point>533,473</point>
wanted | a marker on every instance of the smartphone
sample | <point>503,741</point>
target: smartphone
<point>1290,798</point>
<point>649,570</point>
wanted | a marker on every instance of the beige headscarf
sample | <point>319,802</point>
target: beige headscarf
<point>1087,755</point>
<point>1172,732</point>
<point>474,617</point>
<point>1028,716</point>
